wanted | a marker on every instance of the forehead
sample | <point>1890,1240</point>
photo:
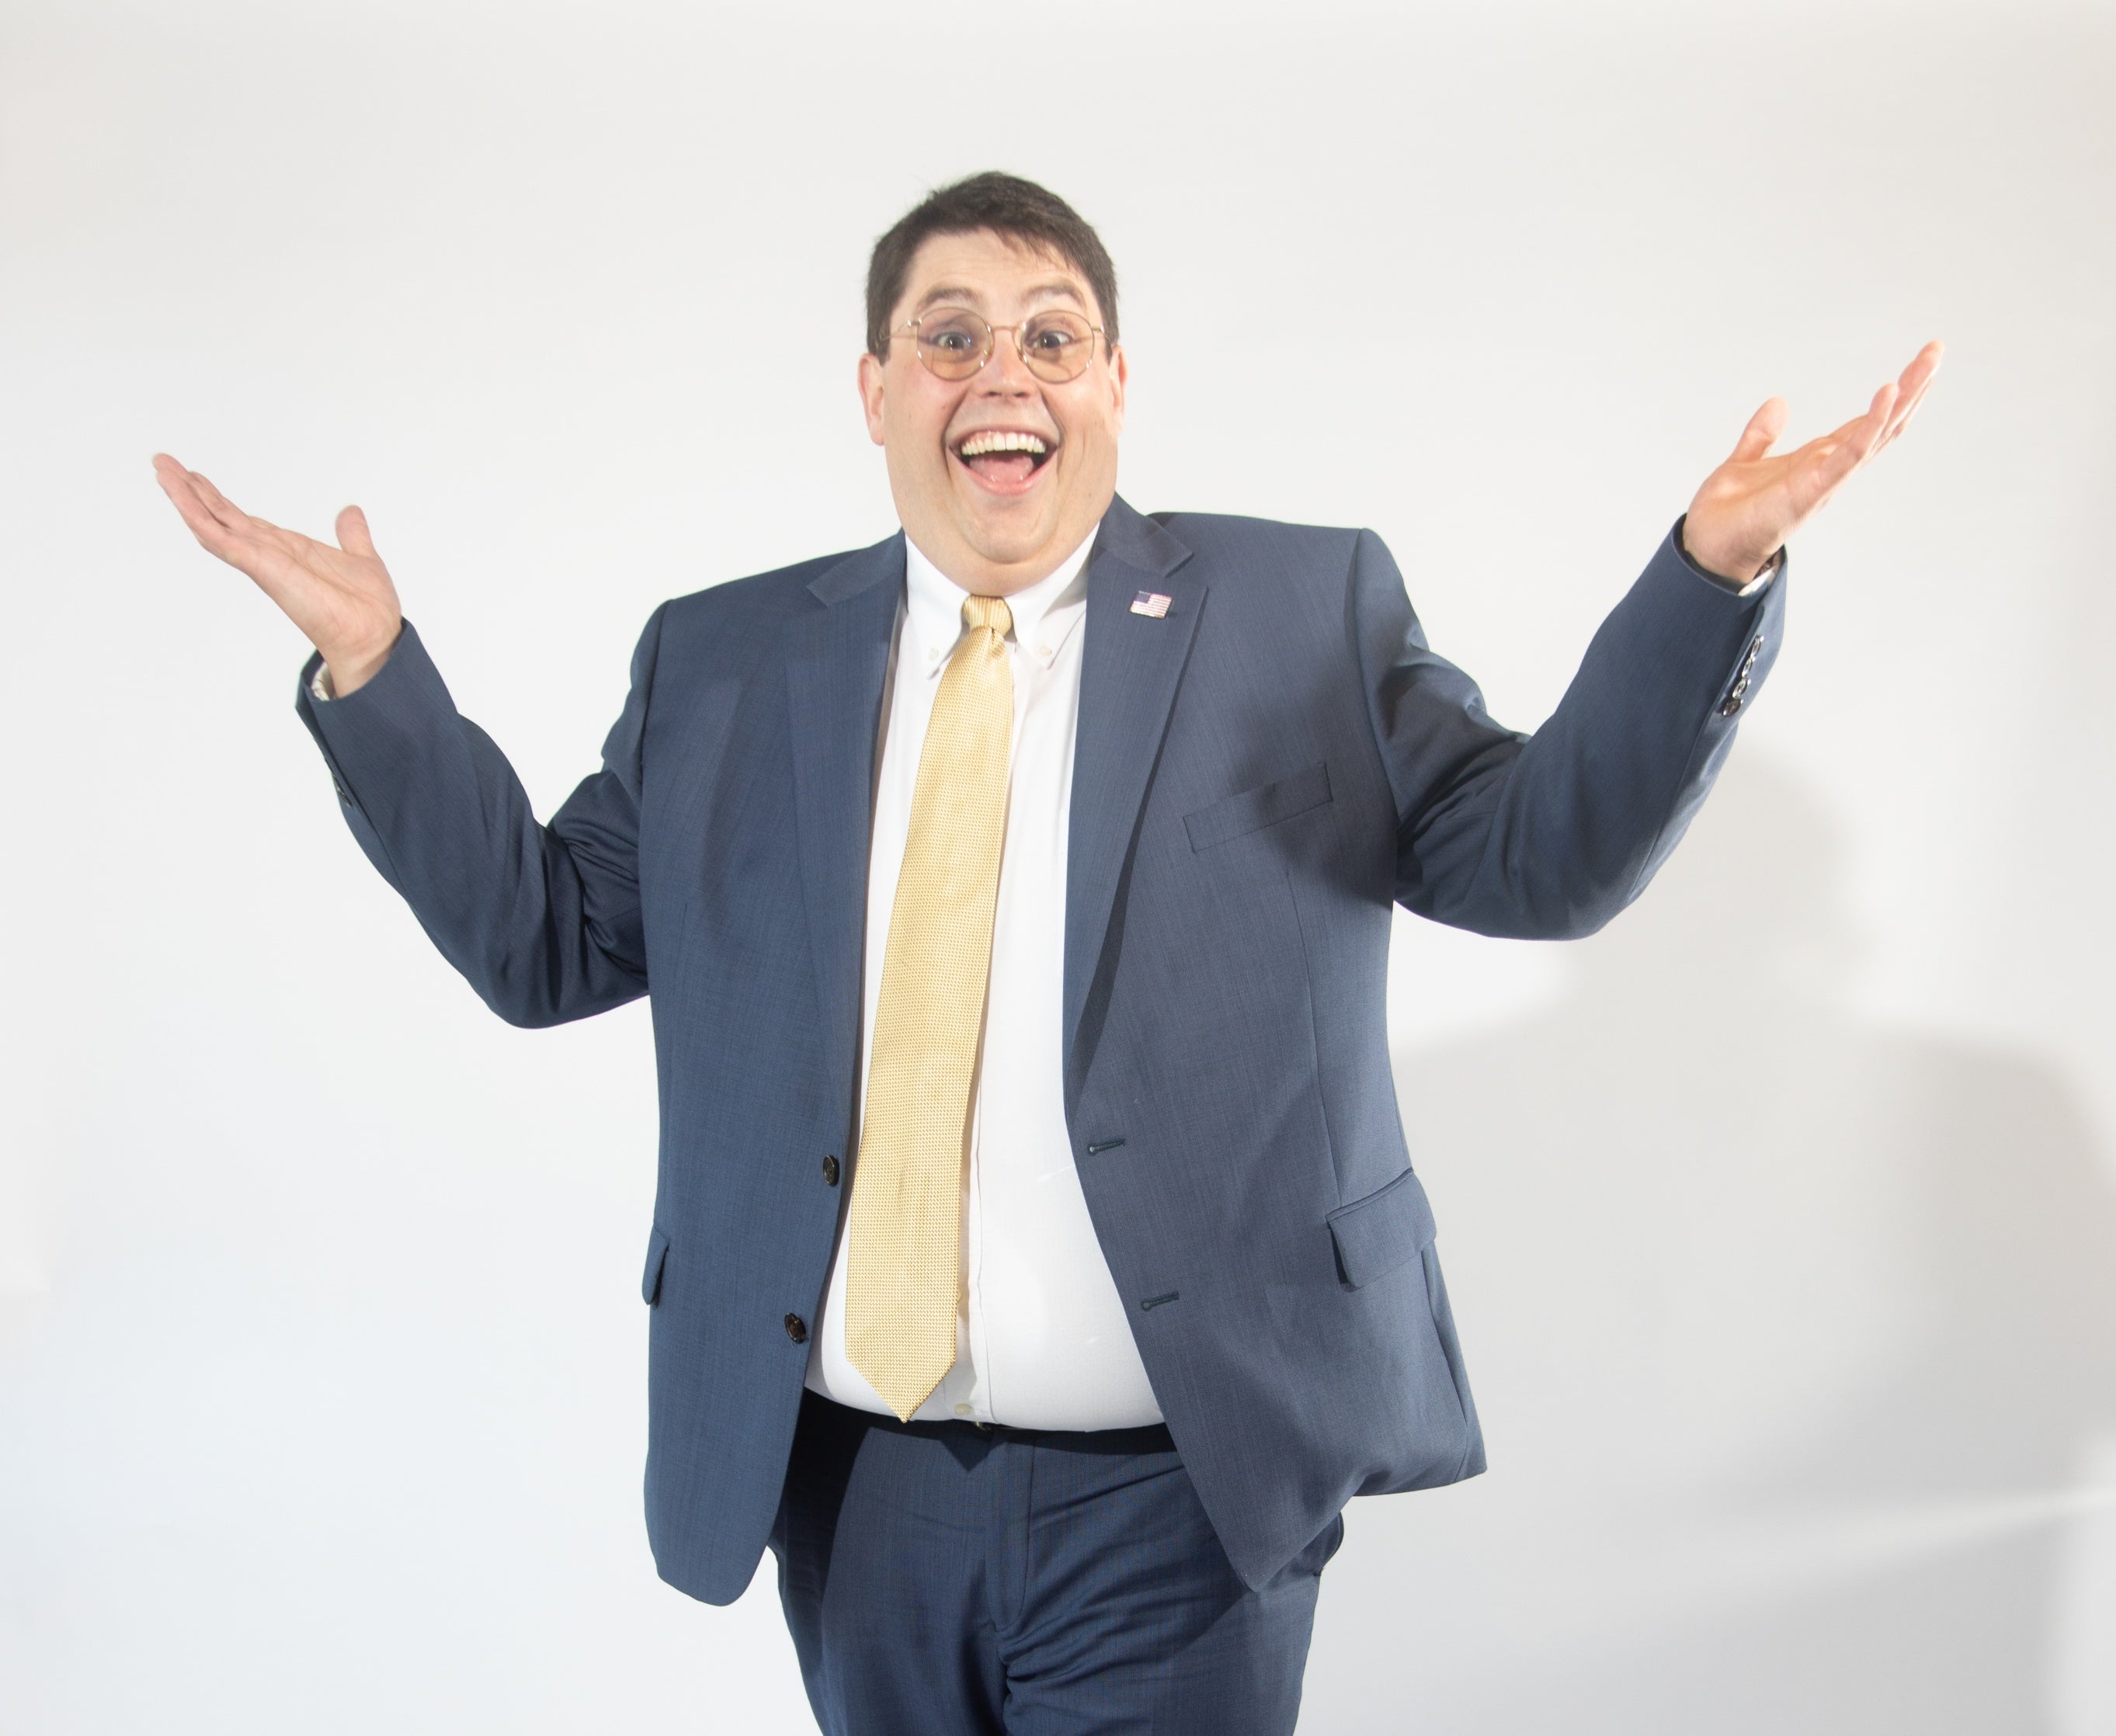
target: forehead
<point>991,272</point>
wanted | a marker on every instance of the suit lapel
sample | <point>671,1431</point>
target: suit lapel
<point>1131,665</point>
<point>837,657</point>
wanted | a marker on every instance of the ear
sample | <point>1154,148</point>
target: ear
<point>870,392</point>
<point>1120,376</point>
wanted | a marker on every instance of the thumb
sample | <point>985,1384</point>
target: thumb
<point>352,534</point>
<point>1762,433</point>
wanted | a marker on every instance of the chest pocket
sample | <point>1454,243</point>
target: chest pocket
<point>1251,810</point>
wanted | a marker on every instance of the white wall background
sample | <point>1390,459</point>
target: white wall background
<point>1781,1218</point>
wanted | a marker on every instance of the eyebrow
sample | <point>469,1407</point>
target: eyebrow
<point>963,294</point>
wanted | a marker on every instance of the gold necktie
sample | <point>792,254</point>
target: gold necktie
<point>904,1274</point>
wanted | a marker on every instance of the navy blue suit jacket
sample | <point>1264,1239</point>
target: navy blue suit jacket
<point>1258,776</point>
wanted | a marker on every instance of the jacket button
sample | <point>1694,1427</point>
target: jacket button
<point>797,1329</point>
<point>831,1171</point>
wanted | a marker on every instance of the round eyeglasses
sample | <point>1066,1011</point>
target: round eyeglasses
<point>954,343</point>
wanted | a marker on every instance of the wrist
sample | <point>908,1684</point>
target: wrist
<point>1729,565</point>
<point>349,670</point>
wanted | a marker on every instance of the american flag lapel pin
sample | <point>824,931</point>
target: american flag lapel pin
<point>1150,603</point>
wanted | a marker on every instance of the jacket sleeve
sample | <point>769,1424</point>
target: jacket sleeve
<point>1548,836</point>
<point>543,920</point>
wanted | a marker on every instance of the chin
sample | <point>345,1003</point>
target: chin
<point>1006,539</point>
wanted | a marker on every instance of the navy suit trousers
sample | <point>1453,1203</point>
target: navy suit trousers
<point>946,1579</point>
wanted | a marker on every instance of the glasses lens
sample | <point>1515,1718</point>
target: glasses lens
<point>953,342</point>
<point>1057,345</point>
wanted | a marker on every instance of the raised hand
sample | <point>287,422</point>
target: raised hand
<point>340,598</point>
<point>1754,501</point>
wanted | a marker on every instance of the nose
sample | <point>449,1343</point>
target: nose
<point>1006,374</point>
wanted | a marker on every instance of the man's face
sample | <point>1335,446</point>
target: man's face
<point>995,521</point>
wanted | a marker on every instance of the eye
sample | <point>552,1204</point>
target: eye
<point>1054,334</point>
<point>951,334</point>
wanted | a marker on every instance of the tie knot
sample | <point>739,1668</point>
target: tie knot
<point>990,612</point>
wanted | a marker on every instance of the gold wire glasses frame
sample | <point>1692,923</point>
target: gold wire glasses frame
<point>956,344</point>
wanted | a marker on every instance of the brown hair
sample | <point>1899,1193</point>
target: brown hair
<point>1018,210</point>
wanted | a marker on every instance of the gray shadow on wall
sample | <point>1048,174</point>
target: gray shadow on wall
<point>1785,1327</point>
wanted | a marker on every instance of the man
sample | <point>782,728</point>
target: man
<point>1037,1266</point>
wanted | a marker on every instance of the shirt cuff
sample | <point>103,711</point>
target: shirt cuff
<point>1732,587</point>
<point>319,684</point>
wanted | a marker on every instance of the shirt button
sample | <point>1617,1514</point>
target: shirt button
<point>831,1170</point>
<point>797,1329</point>
<point>962,1410</point>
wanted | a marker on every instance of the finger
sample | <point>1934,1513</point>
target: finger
<point>1922,367</point>
<point>1910,386</point>
<point>1904,411</point>
<point>1819,467</point>
<point>217,504</point>
<point>176,484</point>
<point>175,480</point>
<point>1898,421</point>
<point>352,534</point>
<point>250,547</point>
<point>1824,466</point>
<point>1835,462</point>
<point>1762,433</point>
<point>1862,432</point>
<point>1875,422</point>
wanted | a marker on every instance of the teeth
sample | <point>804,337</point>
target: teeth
<point>1002,440</point>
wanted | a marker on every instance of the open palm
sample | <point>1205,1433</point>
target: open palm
<point>342,598</point>
<point>1748,507</point>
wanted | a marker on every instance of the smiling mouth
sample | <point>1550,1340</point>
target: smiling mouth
<point>1004,458</point>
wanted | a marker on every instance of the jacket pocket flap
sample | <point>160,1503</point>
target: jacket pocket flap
<point>657,1251</point>
<point>1251,810</point>
<point>1376,1235</point>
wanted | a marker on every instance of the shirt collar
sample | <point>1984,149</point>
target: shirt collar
<point>1045,615</point>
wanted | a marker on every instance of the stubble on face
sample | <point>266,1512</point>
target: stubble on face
<point>999,477</point>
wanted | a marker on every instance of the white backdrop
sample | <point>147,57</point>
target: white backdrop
<point>1781,1218</point>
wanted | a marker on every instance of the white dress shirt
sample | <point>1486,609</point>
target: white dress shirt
<point>1042,1341</point>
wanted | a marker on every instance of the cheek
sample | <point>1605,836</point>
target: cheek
<point>915,420</point>
<point>915,453</point>
<point>1097,438</point>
